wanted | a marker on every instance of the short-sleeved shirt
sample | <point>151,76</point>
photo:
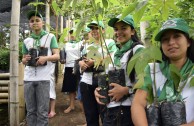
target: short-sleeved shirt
<point>124,61</point>
<point>87,76</point>
<point>40,72</point>
<point>73,52</point>
<point>165,88</point>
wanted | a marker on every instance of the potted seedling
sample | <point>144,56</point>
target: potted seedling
<point>153,112</point>
<point>139,62</point>
<point>173,111</point>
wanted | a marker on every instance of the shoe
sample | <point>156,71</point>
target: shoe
<point>51,115</point>
<point>68,110</point>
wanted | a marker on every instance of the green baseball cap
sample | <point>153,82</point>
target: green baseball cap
<point>34,13</point>
<point>87,30</point>
<point>128,19</point>
<point>175,23</point>
<point>95,23</point>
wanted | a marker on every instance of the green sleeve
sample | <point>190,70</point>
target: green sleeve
<point>112,46</point>
<point>24,49</point>
<point>54,44</point>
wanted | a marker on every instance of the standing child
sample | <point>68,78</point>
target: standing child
<point>37,76</point>
<point>72,49</point>
<point>88,84</point>
<point>119,112</point>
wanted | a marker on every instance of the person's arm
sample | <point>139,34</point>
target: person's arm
<point>138,108</point>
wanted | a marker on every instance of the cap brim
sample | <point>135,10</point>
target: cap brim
<point>159,35</point>
<point>112,22</point>
<point>91,25</point>
<point>33,13</point>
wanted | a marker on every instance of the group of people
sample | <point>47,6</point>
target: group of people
<point>127,106</point>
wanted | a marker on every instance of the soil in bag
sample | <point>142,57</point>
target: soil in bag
<point>62,56</point>
<point>43,52</point>
<point>173,113</point>
<point>153,115</point>
<point>102,82</point>
<point>117,76</point>
<point>33,53</point>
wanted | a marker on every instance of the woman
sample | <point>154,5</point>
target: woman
<point>118,112</point>
<point>72,49</point>
<point>88,84</point>
<point>177,49</point>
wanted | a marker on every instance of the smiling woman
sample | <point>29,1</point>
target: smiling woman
<point>169,82</point>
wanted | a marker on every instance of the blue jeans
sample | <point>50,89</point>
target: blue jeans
<point>36,94</point>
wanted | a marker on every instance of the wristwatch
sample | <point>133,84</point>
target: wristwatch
<point>131,90</point>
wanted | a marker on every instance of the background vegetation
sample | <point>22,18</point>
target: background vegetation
<point>84,11</point>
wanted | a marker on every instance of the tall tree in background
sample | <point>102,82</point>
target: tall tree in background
<point>13,86</point>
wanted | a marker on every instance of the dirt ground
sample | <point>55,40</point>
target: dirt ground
<point>74,118</point>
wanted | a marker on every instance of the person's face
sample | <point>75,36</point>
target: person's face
<point>123,32</point>
<point>95,32</point>
<point>72,37</point>
<point>174,44</point>
<point>87,36</point>
<point>36,23</point>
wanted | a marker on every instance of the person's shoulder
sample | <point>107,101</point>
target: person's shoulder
<point>28,39</point>
<point>109,41</point>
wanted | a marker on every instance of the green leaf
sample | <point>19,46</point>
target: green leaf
<point>106,61</point>
<point>127,10</point>
<point>36,3</point>
<point>105,3</point>
<point>192,82</point>
<point>68,3</point>
<point>55,7</point>
<point>150,97</point>
<point>171,4</point>
<point>155,53</point>
<point>140,81</point>
<point>64,34</point>
<point>115,2</point>
<point>74,3</point>
<point>165,12</point>
<point>140,66</point>
<point>138,15</point>
<point>176,77</point>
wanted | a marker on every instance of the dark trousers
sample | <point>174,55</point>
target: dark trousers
<point>91,107</point>
<point>118,116</point>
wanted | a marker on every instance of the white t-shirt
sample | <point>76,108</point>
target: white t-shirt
<point>124,61</point>
<point>40,72</point>
<point>72,53</point>
<point>87,76</point>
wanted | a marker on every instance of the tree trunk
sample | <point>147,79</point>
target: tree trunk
<point>14,53</point>
<point>47,16</point>
<point>144,36</point>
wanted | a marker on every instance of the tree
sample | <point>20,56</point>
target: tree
<point>13,86</point>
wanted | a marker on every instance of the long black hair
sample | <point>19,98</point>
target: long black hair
<point>136,41</point>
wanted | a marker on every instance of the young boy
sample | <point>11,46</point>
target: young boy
<point>37,76</point>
